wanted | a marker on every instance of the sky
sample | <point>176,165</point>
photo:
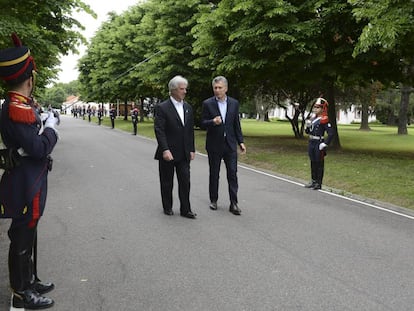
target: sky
<point>68,71</point>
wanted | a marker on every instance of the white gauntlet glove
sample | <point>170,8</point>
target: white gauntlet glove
<point>322,146</point>
<point>308,123</point>
<point>51,122</point>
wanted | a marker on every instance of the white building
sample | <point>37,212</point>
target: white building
<point>348,116</point>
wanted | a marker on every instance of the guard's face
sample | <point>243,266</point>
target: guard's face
<point>179,93</point>
<point>220,90</point>
<point>317,110</point>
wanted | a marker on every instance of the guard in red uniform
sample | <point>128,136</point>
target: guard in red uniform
<point>23,186</point>
<point>316,128</point>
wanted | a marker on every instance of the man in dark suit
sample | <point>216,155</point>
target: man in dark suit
<point>220,116</point>
<point>174,130</point>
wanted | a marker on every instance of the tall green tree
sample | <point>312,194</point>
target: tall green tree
<point>166,28</point>
<point>389,29</point>
<point>49,30</point>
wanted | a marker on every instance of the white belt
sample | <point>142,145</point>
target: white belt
<point>315,137</point>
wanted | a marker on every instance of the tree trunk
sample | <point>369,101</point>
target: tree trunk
<point>266,116</point>
<point>335,143</point>
<point>141,110</point>
<point>125,110</point>
<point>402,116</point>
<point>364,116</point>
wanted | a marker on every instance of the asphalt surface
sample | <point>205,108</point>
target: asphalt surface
<point>106,244</point>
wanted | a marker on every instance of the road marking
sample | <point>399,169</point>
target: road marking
<point>330,193</point>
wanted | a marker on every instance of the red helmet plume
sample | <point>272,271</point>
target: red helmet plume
<point>321,102</point>
<point>16,40</point>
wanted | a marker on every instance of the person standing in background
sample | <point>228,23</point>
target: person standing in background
<point>112,116</point>
<point>134,117</point>
<point>220,116</point>
<point>316,128</point>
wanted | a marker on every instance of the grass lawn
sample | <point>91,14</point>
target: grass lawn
<point>376,164</point>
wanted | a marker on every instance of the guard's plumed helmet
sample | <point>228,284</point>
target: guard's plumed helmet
<point>16,63</point>
<point>321,102</point>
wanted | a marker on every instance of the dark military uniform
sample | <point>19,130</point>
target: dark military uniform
<point>134,116</point>
<point>316,151</point>
<point>100,115</point>
<point>112,116</point>
<point>23,185</point>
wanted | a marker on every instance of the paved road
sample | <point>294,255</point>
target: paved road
<point>106,244</point>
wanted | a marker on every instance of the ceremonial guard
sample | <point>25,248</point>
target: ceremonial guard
<point>89,112</point>
<point>112,116</point>
<point>23,185</point>
<point>134,117</point>
<point>316,127</point>
<point>100,115</point>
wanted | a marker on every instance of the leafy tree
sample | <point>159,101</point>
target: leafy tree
<point>50,31</point>
<point>297,49</point>
<point>167,28</point>
<point>54,97</point>
<point>57,94</point>
<point>136,54</point>
<point>389,29</point>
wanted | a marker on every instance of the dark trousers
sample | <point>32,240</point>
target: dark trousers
<point>113,122</point>
<point>317,161</point>
<point>135,127</point>
<point>317,170</point>
<point>230,160</point>
<point>22,243</point>
<point>166,172</point>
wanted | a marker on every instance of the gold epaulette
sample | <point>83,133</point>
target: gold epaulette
<point>19,108</point>
<point>21,113</point>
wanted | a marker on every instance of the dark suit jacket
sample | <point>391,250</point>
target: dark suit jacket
<point>228,132</point>
<point>171,133</point>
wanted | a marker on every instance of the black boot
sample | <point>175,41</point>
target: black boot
<point>30,300</point>
<point>43,288</point>
<point>319,177</point>
<point>311,184</point>
<point>314,175</point>
<point>39,286</point>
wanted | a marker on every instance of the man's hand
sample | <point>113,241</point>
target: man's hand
<point>217,120</point>
<point>243,148</point>
<point>167,155</point>
<point>192,155</point>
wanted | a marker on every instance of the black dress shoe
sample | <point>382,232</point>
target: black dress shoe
<point>213,206</point>
<point>234,209</point>
<point>43,288</point>
<point>311,184</point>
<point>31,300</point>
<point>317,186</point>
<point>168,212</point>
<point>189,215</point>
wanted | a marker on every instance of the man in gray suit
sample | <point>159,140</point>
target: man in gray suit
<point>174,130</point>
<point>220,116</point>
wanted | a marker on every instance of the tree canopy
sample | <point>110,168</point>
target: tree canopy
<point>281,51</point>
<point>284,50</point>
<point>49,32</point>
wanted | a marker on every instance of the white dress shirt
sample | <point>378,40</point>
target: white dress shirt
<point>179,106</point>
<point>223,108</point>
